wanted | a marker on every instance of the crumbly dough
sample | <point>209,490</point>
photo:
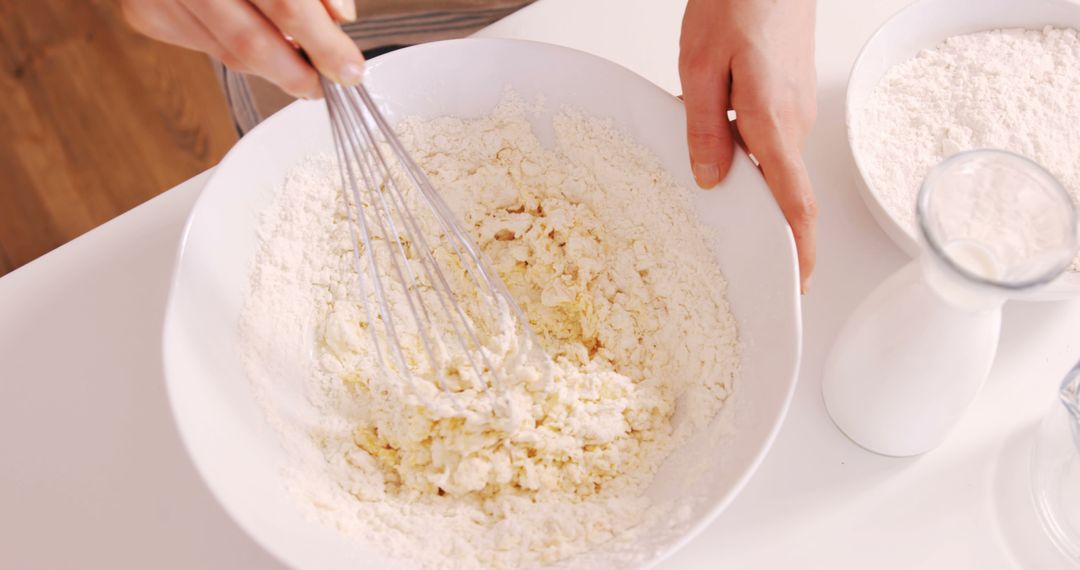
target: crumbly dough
<point>603,254</point>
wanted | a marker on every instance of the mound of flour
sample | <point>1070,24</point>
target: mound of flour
<point>605,256</point>
<point>1017,90</point>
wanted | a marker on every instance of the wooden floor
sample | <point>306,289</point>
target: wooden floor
<point>94,120</point>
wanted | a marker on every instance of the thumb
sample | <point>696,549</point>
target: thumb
<point>708,132</point>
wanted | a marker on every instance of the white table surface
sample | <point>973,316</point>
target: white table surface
<point>93,474</point>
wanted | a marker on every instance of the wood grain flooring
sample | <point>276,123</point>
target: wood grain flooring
<point>94,120</point>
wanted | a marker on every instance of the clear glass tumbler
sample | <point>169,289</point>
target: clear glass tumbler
<point>1055,470</point>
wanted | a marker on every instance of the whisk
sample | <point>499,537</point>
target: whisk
<point>434,274</point>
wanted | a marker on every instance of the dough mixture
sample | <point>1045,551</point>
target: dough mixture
<point>603,253</point>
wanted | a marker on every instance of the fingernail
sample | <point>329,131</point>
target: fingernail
<point>344,10</point>
<point>707,175</point>
<point>350,74</point>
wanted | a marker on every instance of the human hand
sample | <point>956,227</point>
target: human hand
<point>249,36</point>
<point>756,57</point>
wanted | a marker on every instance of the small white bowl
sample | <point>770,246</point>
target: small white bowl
<point>925,24</point>
<point>226,434</point>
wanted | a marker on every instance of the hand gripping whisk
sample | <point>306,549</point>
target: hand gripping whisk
<point>439,317</point>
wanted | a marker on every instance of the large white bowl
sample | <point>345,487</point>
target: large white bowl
<point>222,426</point>
<point>925,24</point>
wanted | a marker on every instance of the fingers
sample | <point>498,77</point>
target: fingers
<point>170,22</point>
<point>252,43</point>
<point>706,88</point>
<point>785,173</point>
<point>311,26</point>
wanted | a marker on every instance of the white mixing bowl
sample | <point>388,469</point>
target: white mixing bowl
<point>223,427</point>
<point>925,24</point>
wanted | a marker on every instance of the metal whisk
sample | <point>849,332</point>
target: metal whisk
<point>457,312</point>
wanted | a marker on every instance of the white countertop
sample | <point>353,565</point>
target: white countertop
<point>93,474</point>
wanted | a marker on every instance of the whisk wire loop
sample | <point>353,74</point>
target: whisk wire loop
<point>380,213</point>
<point>344,139</point>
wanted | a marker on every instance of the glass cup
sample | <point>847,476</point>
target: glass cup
<point>1055,470</point>
<point>993,226</point>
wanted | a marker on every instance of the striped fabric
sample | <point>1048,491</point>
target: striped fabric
<point>381,25</point>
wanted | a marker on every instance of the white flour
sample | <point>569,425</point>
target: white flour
<point>1017,90</point>
<point>605,256</point>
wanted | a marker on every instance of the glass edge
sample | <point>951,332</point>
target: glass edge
<point>927,236</point>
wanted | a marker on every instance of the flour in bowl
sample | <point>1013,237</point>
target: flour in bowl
<point>1016,90</point>
<point>602,251</point>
